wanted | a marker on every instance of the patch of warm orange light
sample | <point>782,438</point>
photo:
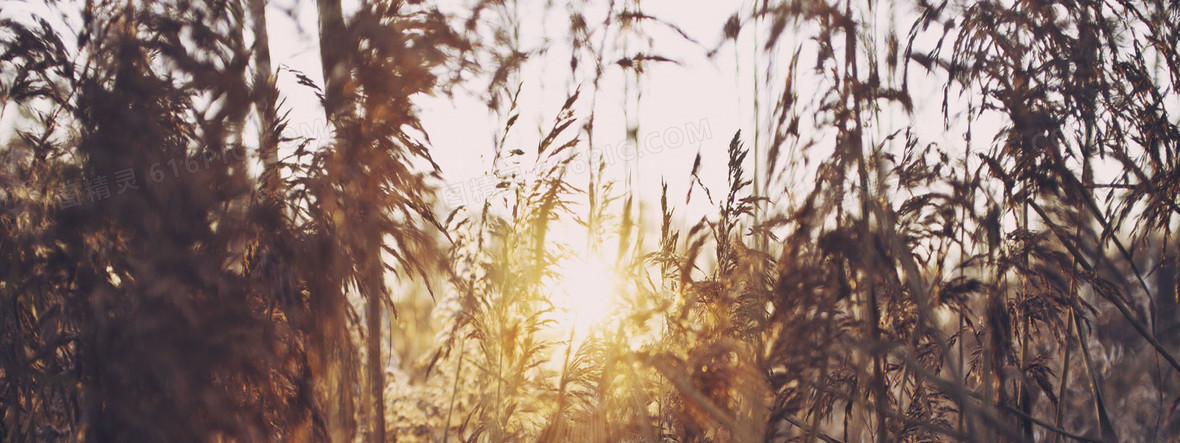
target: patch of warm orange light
<point>584,294</point>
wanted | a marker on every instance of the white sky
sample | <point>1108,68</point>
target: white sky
<point>700,95</point>
<point>707,96</point>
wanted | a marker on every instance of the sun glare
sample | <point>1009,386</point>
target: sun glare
<point>584,294</point>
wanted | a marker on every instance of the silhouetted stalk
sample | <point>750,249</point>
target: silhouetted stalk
<point>336,68</point>
<point>1115,298</point>
<point>962,331</point>
<point>373,310</point>
<point>854,142</point>
<point>1107,428</point>
<point>630,117</point>
<point>1023,397</point>
<point>454,389</point>
<point>1061,391</point>
<point>334,51</point>
<point>759,181</point>
<point>265,97</point>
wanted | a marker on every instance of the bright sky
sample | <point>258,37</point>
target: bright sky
<point>697,104</point>
<point>698,100</point>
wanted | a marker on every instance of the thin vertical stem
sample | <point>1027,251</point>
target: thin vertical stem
<point>454,388</point>
<point>265,94</point>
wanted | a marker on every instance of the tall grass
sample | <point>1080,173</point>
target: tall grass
<point>867,274</point>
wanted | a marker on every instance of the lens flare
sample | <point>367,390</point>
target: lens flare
<point>584,294</point>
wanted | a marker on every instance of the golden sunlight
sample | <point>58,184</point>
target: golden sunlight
<point>584,294</point>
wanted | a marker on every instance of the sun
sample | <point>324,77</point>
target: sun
<point>584,293</point>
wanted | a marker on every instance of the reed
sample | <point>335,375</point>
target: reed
<point>176,264</point>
